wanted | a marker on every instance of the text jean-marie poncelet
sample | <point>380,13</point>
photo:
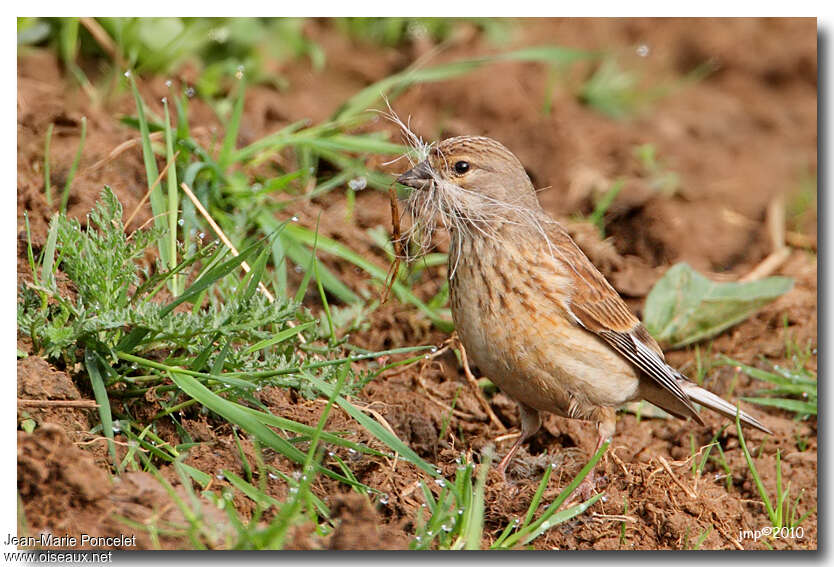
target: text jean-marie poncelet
<point>48,540</point>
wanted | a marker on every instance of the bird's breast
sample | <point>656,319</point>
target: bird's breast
<point>508,303</point>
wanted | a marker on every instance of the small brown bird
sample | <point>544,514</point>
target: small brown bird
<point>532,311</point>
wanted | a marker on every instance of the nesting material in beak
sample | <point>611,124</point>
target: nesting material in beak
<point>416,177</point>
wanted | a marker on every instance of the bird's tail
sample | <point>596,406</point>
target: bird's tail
<point>722,406</point>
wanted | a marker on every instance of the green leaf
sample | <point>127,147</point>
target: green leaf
<point>684,306</point>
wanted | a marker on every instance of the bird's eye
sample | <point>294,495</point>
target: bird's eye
<point>461,167</point>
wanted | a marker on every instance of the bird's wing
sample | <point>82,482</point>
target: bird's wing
<point>597,307</point>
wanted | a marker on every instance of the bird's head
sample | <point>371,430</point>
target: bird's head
<point>471,174</point>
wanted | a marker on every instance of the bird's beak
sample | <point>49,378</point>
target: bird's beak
<point>418,176</point>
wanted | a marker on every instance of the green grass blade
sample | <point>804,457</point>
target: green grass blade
<point>473,532</point>
<point>158,207</point>
<point>91,363</point>
<point>756,479</point>
<point>173,199</point>
<point>377,430</point>
<point>235,413</point>
<point>796,406</point>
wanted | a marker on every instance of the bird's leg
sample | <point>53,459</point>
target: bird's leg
<point>606,427</point>
<point>531,421</point>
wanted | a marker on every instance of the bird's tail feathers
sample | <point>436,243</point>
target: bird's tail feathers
<point>720,405</point>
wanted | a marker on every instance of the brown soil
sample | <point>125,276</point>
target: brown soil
<point>736,140</point>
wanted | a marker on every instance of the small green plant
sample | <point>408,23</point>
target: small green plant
<point>597,217</point>
<point>523,532</point>
<point>781,512</point>
<point>659,177</point>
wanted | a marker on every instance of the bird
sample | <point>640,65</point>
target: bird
<point>531,310</point>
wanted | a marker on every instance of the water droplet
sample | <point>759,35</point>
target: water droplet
<point>117,426</point>
<point>357,184</point>
<point>128,73</point>
<point>383,499</point>
<point>516,522</point>
<point>202,235</point>
<point>216,242</point>
<point>423,505</point>
<point>438,471</point>
<point>181,222</point>
<point>460,512</point>
<point>418,539</point>
<point>351,450</point>
<point>426,356</point>
<point>134,366</point>
<point>220,476</point>
<point>805,395</point>
<point>165,100</point>
<point>433,349</point>
<point>604,498</point>
<point>228,496</point>
<point>296,475</point>
<point>293,490</point>
<point>440,482</point>
<point>331,454</point>
<point>298,269</point>
<point>446,528</point>
<point>273,476</point>
<point>643,50</point>
<point>169,83</point>
<point>294,219</point>
<point>429,533</point>
<point>545,525</point>
<point>189,92</point>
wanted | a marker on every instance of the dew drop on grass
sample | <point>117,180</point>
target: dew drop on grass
<point>181,222</point>
<point>293,490</point>
<point>273,476</point>
<point>440,482</point>
<point>383,499</point>
<point>164,100</point>
<point>294,219</point>
<point>220,476</point>
<point>331,454</point>
<point>117,426</point>
<point>643,50</point>
<point>189,92</point>
<point>351,450</point>
<point>460,511</point>
<point>169,83</point>
<point>433,349</point>
<point>418,539</point>
<point>357,184</point>
<point>128,73</point>
<point>228,496</point>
